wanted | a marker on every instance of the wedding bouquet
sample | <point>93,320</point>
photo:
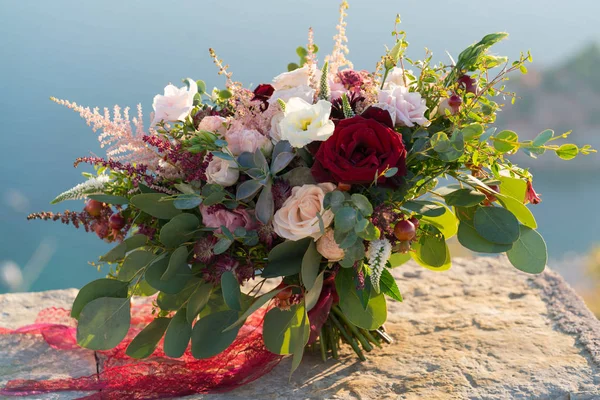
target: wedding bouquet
<point>325,179</point>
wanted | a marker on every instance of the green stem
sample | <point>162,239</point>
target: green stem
<point>333,343</point>
<point>386,338</point>
<point>370,337</point>
<point>323,345</point>
<point>348,338</point>
<point>363,341</point>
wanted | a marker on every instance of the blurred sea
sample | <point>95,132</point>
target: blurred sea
<point>106,53</point>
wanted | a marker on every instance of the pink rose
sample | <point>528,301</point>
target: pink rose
<point>217,216</point>
<point>409,106</point>
<point>213,123</point>
<point>239,140</point>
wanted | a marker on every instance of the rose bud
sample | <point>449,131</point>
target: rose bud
<point>468,83</point>
<point>452,104</point>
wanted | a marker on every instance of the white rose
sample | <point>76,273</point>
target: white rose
<point>275,132</point>
<point>410,107</point>
<point>297,77</point>
<point>175,104</point>
<point>239,140</point>
<point>213,123</point>
<point>304,123</point>
<point>222,172</point>
<point>298,217</point>
<point>396,78</point>
<point>328,247</point>
<point>304,92</point>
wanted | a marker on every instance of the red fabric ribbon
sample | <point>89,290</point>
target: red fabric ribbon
<point>156,377</point>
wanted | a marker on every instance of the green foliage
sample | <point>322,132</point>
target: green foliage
<point>528,253</point>
<point>155,204</point>
<point>283,329</point>
<point>103,323</point>
<point>178,335</point>
<point>286,258</point>
<point>144,344</point>
<point>95,290</point>
<point>351,302</point>
<point>205,340</point>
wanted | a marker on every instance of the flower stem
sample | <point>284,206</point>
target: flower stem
<point>370,337</point>
<point>333,341</point>
<point>363,341</point>
<point>386,338</point>
<point>323,345</point>
<point>348,338</point>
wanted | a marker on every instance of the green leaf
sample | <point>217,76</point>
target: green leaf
<point>567,151</point>
<point>282,329</point>
<point>520,210</point>
<point>469,238</point>
<point>265,205</point>
<point>464,198</point>
<point>312,295</point>
<point>173,302</point>
<point>496,224</point>
<point>177,262</point>
<point>388,286</point>
<point>95,290</point>
<point>397,259</point>
<point>345,219</point>
<point>103,323</point>
<point>529,253</point>
<point>285,259</point>
<point>506,141</point>
<point>178,335</point>
<point>119,251</point>
<point>144,344</point>
<point>222,246</point>
<point>432,253</point>
<point>258,303</point>
<point>513,187</point>
<point>201,86</point>
<point>300,343</point>
<point>133,263</point>
<point>174,284</point>
<point>198,301</point>
<point>206,339</point>
<point>187,201</point>
<point>472,131</point>
<point>370,318</point>
<point>445,223</point>
<point>247,190</point>
<point>150,204</point>
<point>108,199</point>
<point>179,230</point>
<point>440,142</point>
<point>225,94</point>
<point>543,137</point>
<point>310,265</point>
<point>231,291</point>
<point>425,207</point>
<point>363,204</point>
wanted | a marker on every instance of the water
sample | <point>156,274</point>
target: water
<point>110,52</point>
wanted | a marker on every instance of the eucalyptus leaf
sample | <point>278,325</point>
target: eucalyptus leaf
<point>258,303</point>
<point>282,329</point>
<point>425,207</point>
<point>496,225</point>
<point>103,323</point>
<point>464,198</point>
<point>109,199</point>
<point>432,253</point>
<point>133,263</point>
<point>179,230</point>
<point>206,339</point>
<point>144,344</point>
<point>198,301</point>
<point>151,204</point>
<point>311,262</point>
<point>174,284</point>
<point>95,290</point>
<point>178,335</point>
<point>285,259</point>
<point>312,295</point>
<point>231,291</point>
<point>351,305</point>
<point>529,253</point>
<point>187,201</point>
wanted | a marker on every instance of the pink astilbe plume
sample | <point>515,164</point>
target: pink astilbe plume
<point>117,134</point>
<point>337,59</point>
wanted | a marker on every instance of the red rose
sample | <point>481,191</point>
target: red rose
<point>358,149</point>
<point>263,93</point>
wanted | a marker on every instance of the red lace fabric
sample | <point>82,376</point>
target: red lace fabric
<point>157,377</point>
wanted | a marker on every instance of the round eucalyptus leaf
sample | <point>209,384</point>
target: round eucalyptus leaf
<point>464,198</point>
<point>103,323</point>
<point>198,300</point>
<point>496,225</point>
<point>95,290</point>
<point>178,335</point>
<point>285,259</point>
<point>370,317</point>
<point>179,230</point>
<point>529,253</point>
<point>134,262</point>
<point>173,285</point>
<point>283,329</point>
<point>144,344</point>
<point>208,338</point>
<point>231,291</point>
<point>432,253</point>
<point>469,238</point>
<point>151,204</point>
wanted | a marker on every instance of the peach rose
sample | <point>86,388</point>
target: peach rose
<point>213,123</point>
<point>297,218</point>
<point>239,140</point>
<point>328,247</point>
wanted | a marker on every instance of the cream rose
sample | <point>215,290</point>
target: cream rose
<point>410,107</point>
<point>222,172</point>
<point>298,217</point>
<point>297,77</point>
<point>328,247</point>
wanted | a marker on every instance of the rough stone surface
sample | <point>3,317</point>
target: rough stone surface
<point>481,330</point>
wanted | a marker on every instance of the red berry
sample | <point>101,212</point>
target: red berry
<point>94,208</point>
<point>116,221</point>
<point>405,230</point>
<point>344,187</point>
<point>101,230</point>
<point>415,221</point>
<point>454,102</point>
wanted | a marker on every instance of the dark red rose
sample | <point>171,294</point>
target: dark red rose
<point>263,93</point>
<point>358,149</point>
